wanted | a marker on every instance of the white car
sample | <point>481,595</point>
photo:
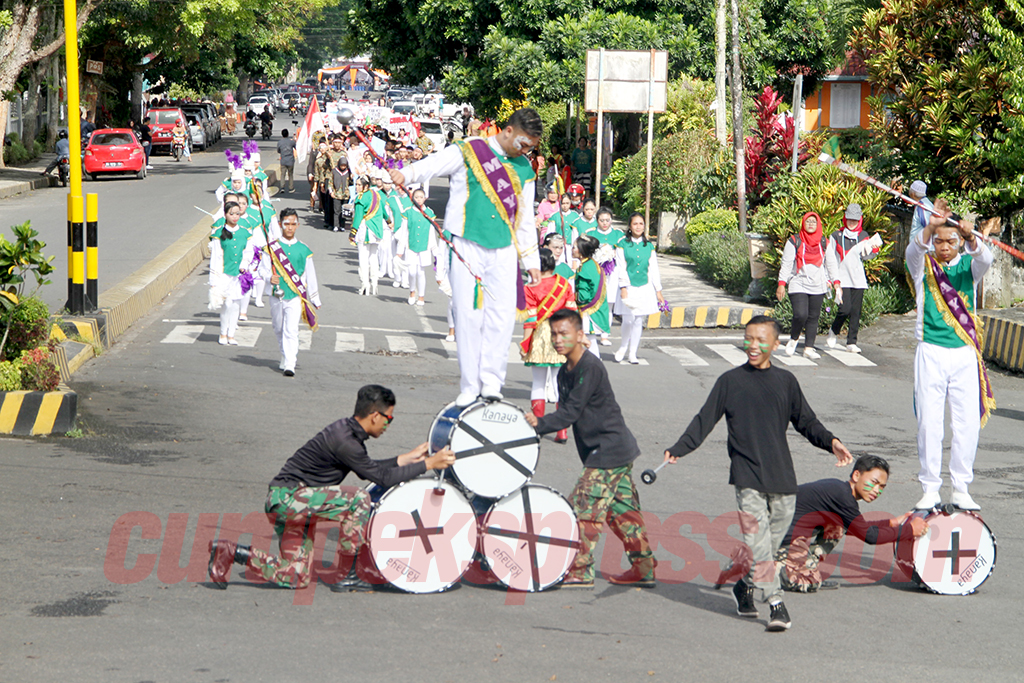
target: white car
<point>258,102</point>
<point>404,107</point>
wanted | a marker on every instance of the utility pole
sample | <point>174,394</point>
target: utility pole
<point>737,119</point>
<point>721,128</point>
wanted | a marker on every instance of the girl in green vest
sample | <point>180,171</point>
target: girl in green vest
<point>592,292</point>
<point>230,247</point>
<point>368,222</point>
<point>416,245</point>
<point>639,286</point>
<point>561,224</point>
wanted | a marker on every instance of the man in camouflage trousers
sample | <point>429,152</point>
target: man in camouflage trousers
<point>308,489</point>
<point>605,491</point>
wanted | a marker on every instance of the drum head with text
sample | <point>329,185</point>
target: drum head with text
<point>954,557</point>
<point>496,450</point>
<point>530,538</point>
<point>420,541</point>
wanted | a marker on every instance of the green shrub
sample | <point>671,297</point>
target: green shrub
<point>721,257</point>
<point>38,371</point>
<point>715,220</point>
<point>15,152</point>
<point>10,376</point>
<point>30,327</point>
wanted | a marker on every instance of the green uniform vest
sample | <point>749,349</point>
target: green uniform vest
<point>375,224</point>
<point>563,225</point>
<point>566,271</point>
<point>233,249</point>
<point>419,229</point>
<point>397,205</point>
<point>638,259</point>
<point>936,331</point>
<point>483,224</point>
<point>297,254</point>
<point>582,225</point>
<point>587,280</point>
<point>612,237</point>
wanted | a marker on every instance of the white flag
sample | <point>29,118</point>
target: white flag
<point>304,138</point>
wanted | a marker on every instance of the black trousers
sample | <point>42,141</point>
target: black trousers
<point>339,217</point>
<point>327,204</point>
<point>853,300</point>
<point>806,311</point>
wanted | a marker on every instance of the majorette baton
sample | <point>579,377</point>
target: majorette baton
<point>345,118</point>
<point>846,168</point>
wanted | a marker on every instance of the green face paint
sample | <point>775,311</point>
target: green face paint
<point>763,346</point>
<point>869,487</point>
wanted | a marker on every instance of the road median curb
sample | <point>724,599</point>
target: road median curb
<point>706,316</point>
<point>10,188</point>
<point>1004,339</point>
<point>34,413</point>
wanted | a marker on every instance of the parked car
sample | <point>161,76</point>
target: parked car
<point>114,151</point>
<point>215,118</point>
<point>433,130</point>
<point>197,133</point>
<point>200,114</point>
<point>258,102</point>
<point>404,107</point>
<point>161,124</point>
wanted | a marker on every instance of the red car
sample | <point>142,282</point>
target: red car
<point>114,151</point>
<point>160,125</point>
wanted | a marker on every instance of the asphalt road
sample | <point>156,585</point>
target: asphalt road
<point>182,437</point>
<point>137,218</point>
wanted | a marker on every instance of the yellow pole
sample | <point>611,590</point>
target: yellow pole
<point>92,251</point>
<point>76,260</point>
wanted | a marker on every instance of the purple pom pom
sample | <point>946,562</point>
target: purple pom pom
<point>608,266</point>
<point>250,147</point>
<point>664,307</point>
<point>233,159</point>
<point>245,279</point>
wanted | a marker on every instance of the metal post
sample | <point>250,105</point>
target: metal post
<point>600,128</point>
<point>76,256</point>
<point>650,150</point>
<point>737,120</point>
<point>92,254</point>
<point>798,96</point>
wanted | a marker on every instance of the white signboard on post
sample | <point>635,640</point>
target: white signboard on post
<point>626,81</point>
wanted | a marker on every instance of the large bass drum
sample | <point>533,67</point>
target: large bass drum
<point>954,557</point>
<point>496,450</point>
<point>422,535</point>
<point>530,538</point>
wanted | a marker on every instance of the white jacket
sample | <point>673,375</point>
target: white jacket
<point>810,279</point>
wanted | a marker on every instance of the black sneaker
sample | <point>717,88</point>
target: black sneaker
<point>779,619</point>
<point>744,597</point>
<point>289,373</point>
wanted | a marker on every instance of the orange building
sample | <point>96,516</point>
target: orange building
<point>842,99</point>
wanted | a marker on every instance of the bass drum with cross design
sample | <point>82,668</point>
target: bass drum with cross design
<point>496,450</point>
<point>954,557</point>
<point>422,535</point>
<point>530,538</point>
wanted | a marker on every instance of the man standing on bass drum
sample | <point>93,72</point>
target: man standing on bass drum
<point>605,491</point>
<point>308,489</point>
<point>760,401</point>
<point>490,215</point>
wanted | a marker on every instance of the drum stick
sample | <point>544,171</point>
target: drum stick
<point>439,489</point>
<point>651,476</point>
<point>846,168</point>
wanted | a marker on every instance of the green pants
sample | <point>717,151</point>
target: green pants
<point>294,513</point>
<point>609,496</point>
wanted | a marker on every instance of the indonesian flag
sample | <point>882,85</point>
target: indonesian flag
<point>304,138</point>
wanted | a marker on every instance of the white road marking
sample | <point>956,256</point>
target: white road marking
<point>685,356</point>
<point>729,352</point>
<point>850,359</point>
<point>183,334</point>
<point>344,341</point>
<point>401,344</point>
<point>305,339</point>
<point>451,349</point>
<point>247,336</point>
<point>792,360</point>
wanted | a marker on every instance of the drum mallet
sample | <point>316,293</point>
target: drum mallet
<point>650,476</point>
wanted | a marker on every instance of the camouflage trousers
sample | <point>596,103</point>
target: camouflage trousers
<point>294,513</point>
<point>798,564</point>
<point>609,496</point>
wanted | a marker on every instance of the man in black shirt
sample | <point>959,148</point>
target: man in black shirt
<point>308,489</point>
<point>605,490</point>
<point>826,510</point>
<point>759,402</point>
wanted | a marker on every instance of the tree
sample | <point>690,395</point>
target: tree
<point>20,21</point>
<point>1007,156</point>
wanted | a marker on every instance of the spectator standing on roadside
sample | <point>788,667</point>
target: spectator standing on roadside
<point>286,152</point>
<point>582,161</point>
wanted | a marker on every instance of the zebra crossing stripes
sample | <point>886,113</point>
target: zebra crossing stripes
<point>183,334</point>
<point>685,356</point>
<point>247,336</point>
<point>730,353</point>
<point>401,344</point>
<point>850,359</point>
<point>305,339</point>
<point>348,341</point>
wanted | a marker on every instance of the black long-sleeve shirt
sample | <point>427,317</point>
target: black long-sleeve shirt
<point>758,406</point>
<point>587,404</point>
<point>338,449</point>
<point>831,501</point>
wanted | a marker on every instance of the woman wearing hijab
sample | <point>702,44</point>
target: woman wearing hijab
<point>808,269</point>
<point>853,248</point>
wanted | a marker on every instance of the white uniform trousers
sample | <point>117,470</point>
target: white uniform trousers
<point>229,317</point>
<point>369,267</point>
<point>941,373</point>
<point>483,334</point>
<point>285,317</point>
<point>385,254</point>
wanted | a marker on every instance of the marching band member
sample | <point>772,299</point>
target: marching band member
<point>295,290</point>
<point>490,215</point>
<point>640,290</point>
<point>368,222</point>
<point>591,290</point>
<point>416,246</point>
<point>230,247</point>
<point>604,233</point>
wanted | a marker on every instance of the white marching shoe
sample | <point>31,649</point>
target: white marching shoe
<point>791,347</point>
<point>465,398</point>
<point>963,500</point>
<point>491,393</point>
<point>620,354</point>
<point>831,341</point>
<point>928,501</point>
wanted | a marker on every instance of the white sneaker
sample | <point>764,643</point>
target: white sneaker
<point>223,341</point>
<point>464,399</point>
<point>449,337</point>
<point>831,341</point>
<point>853,348</point>
<point>929,500</point>
<point>811,353</point>
<point>149,168</point>
<point>963,500</point>
<point>791,347</point>
<point>491,394</point>
<point>619,355</point>
<point>412,301</point>
<point>421,302</point>
<point>634,361</point>
<point>605,341</point>
<point>259,303</point>
<point>396,284</point>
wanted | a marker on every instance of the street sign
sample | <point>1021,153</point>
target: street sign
<point>93,67</point>
<point>623,80</point>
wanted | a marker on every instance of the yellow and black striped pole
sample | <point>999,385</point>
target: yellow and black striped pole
<point>76,296</point>
<point>76,243</point>
<point>92,252</point>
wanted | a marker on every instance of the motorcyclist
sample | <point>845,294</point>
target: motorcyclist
<point>63,149</point>
<point>250,114</point>
<point>267,117</point>
<point>180,135</point>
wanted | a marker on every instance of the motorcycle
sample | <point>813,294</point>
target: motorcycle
<point>178,148</point>
<point>250,128</point>
<point>267,131</point>
<point>64,170</point>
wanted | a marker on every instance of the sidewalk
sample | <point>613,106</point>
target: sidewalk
<point>696,303</point>
<point>18,179</point>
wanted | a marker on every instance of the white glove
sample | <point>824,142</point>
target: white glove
<point>839,296</point>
